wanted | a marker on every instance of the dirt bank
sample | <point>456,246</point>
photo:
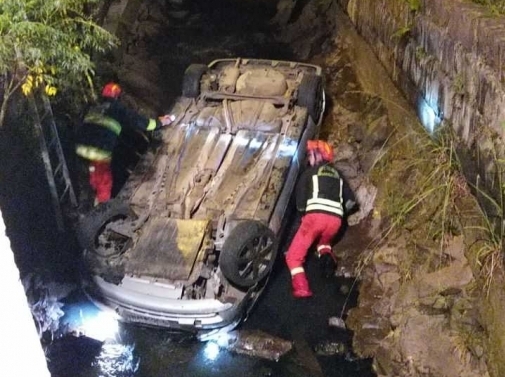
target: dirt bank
<point>419,296</point>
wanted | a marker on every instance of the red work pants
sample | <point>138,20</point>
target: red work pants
<point>100,179</point>
<point>320,227</point>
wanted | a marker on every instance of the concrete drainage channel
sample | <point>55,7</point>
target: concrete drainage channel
<point>283,336</point>
<point>274,341</point>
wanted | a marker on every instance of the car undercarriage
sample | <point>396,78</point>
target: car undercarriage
<point>199,218</point>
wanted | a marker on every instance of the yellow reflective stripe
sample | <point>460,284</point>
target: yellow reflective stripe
<point>104,121</point>
<point>297,270</point>
<point>92,153</point>
<point>152,125</point>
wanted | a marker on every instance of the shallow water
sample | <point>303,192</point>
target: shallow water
<point>140,351</point>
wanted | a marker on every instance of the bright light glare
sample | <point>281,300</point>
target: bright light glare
<point>218,341</point>
<point>101,326</point>
<point>211,351</point>
<point>86,319</point>
<point>287,148</point>
<point>243,139</point>
<point>428,116</point>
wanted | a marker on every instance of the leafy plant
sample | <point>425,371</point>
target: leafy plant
<point>414,5</point>
<point>401,32</point>
<point>459,84</point>
<point>490,252</point>
<point>421,53</point>
<point>496,7</point>
<point>47,45</point>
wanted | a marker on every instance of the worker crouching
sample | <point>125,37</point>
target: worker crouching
<point>98,134</point>
<point>324,197</point>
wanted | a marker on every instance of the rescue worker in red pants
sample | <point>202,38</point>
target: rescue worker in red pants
<point>324,197</point>
<point>99,132</point>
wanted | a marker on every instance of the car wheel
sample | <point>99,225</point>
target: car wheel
<point>248,253</point>
<point>310,95</point>
<point>94,231</point>
<point>191,80</point>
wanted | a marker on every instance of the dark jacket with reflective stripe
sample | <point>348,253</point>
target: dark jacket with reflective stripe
<point>322,189</point>
<point>101,126</point>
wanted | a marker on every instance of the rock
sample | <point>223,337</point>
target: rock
<point>428,348</point>
<point>148,30</point>
<point>258,344</point>
<point>456,248</point>
<point>388,279</point>
<point>378,132</point>
<point>365,196</point>
<point>284,11</point>
<point>386,259</point>
<point>369,158</point>
<point>344,151</point>
<point>344,289</point>
<point>336,322</point>
<point>478,351</point>
<point>455,276</point>
<point>440,303</point>
<point>357,131</point>
<point>330,349</point>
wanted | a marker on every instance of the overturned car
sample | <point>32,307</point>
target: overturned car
<point>191,238</point>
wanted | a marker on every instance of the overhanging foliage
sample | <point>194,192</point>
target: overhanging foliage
<point>48,44</point>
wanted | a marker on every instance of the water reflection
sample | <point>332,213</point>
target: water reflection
<point>211,351</point>
<point>117,360</point>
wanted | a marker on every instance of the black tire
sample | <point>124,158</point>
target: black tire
<point>248,253</point>
<point>310,95</point>
<point>93,224</point>
<point>191,80</point>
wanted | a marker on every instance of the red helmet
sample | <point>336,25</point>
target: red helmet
<point>322,148</point>
<point>111,90</point>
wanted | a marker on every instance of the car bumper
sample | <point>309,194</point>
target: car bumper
<point>191,315</point>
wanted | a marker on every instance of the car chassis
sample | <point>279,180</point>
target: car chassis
<point>191,238</point>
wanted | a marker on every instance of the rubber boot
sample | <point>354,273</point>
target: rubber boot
<point>300,286</point>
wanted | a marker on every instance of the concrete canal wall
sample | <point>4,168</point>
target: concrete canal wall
<point>448,58</point>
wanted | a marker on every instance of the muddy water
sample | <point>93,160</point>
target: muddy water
<point>145,352</point>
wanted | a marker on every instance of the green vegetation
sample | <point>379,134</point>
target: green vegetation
<point>414,5</point>
<point>420,196</point>
<point>459,84</point>
<point>47,45</point>
<point>426,202</point>
<point>496,7</point>
<point>421,53</point>
<point>401,32</point>
<point>427,196</point>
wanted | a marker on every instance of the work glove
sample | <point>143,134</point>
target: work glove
<point>166,119</point>
<point>328,265</point>
<point>351,207</point>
